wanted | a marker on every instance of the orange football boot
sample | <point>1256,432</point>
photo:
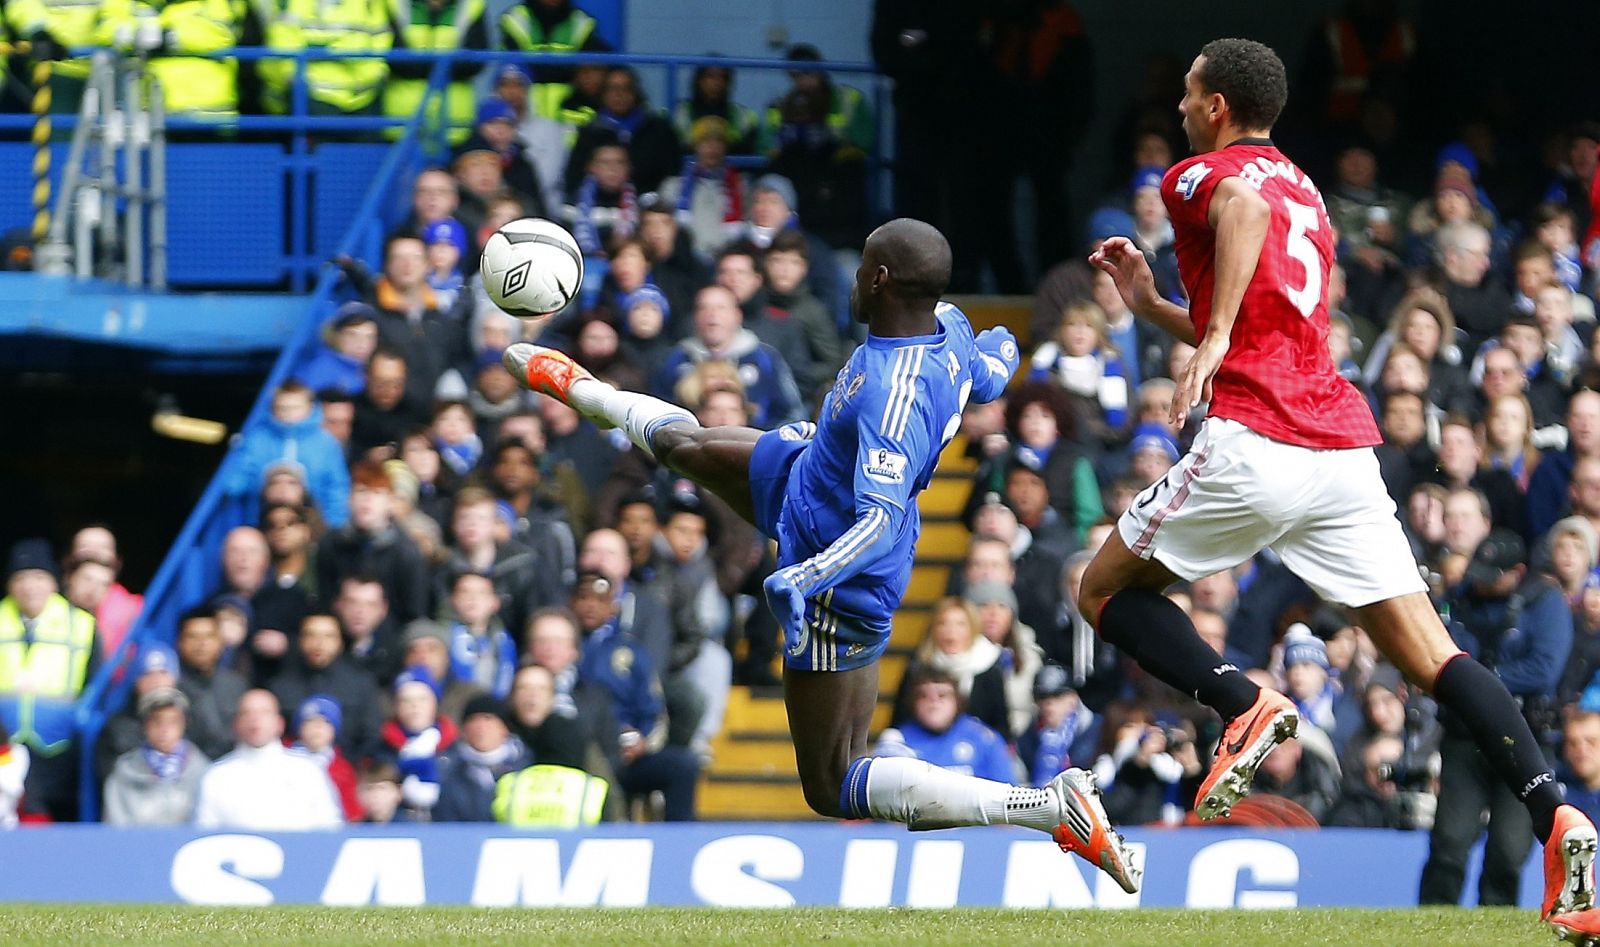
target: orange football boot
<point>1086,831</point>
<point>1569,864</point>
<point>544,370</point>
<point>1271,720</point>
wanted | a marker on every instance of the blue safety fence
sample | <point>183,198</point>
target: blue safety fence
<point>246,213</point>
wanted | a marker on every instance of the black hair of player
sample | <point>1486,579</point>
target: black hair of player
<point>1250,76</point>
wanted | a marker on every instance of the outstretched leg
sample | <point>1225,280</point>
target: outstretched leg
<point>716,458</point>
<point>829,714</point>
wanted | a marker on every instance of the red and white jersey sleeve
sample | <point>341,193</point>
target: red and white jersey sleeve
<point>1278,378</point>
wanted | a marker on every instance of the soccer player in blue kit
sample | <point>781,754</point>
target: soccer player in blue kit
<point>840,496</point>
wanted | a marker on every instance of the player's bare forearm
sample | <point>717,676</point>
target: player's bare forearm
<point>1170,318</point>
<point>1240,217</point>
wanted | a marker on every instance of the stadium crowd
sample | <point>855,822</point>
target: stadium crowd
<point>453,600</point>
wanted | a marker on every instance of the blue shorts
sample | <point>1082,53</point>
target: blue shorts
<point>830,641</point>
<point>774,454</point>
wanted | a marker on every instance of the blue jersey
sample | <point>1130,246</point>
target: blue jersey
<point>849,522</point>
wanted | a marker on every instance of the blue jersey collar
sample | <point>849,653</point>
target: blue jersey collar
<point>896,341</point>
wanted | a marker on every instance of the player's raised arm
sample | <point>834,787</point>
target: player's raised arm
<point>1240,217</point>
<point>1137,286</point>
<point>998,359</point>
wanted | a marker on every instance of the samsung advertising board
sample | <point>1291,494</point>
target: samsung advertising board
<point>726,865</point>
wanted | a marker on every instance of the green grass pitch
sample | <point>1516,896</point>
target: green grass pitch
<point>53,925</point>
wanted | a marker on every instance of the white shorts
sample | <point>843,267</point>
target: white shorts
<point>1324,512</point>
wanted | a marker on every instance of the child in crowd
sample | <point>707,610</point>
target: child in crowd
<point>645,338</point>
<point>316,728</point>
<point>482,651</point>
<point>1085,363</point>
<point>1508,438</point>
<point>456,437</point>
<point>340,362</point>
<point>378,791</point>
<point>294,432</point>
<point>416,735</point>
<point>446,241</point>
<point>1555,229</point>
<point>708,193</point>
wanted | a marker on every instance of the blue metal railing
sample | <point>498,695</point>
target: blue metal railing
<point>298,262</point>
<point>190,570</point>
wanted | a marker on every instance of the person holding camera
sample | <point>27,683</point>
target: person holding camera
<point>1518,625</point>
<point>1392,763</point>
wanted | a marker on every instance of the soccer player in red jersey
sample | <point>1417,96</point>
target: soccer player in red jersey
<point>1284,460</point>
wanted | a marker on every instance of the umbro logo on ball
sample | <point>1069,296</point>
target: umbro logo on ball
<point>516,279</point>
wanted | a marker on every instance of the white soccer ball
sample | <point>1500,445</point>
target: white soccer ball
<point>531,267</point>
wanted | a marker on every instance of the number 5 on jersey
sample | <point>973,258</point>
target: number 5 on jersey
<point>1303,219</point>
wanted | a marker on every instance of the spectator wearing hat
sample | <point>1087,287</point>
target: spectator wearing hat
<point>293,431</point>
<point>1456,199</point>
<point>1517,623</point>
<point>617,663</point>
<point>711,96</point>
<point>320,666</point>
<point>490,162</point>
<point>939,732</point>
<point>774,209</point>
<point>340,362</point>
<point>1032,572</point>
<point>1063,732</point>
<point>1020,654</point>
<point>470,768</point>
<point>262,785</point>
<point>371,544</point>
<point>155,666</point>
<point>1305,667</point>
<point>1580,756</point>
<point>446,241</point>
<point>315,732</point>
<point>426,643</point>
<point>708,194</point>
<point>1152,230</point>
<point>417,732</point>
<point>212,690</point>
<point>158,781</point>
<point>545,141</point>
<point>646,315</point>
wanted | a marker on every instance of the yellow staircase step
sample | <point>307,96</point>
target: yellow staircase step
<point>943,542</point>
<point>737,800</point>
<point>909,628</point>
<point>944,498</point>
<point>927,585</point>
<point>759,714</point>
<point>760,756</point>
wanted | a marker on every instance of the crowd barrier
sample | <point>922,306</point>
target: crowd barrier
<point>714,865</point>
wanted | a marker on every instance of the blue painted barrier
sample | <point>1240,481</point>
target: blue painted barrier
<point>710,864</point>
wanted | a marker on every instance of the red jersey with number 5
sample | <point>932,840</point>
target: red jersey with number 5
<point>1277,378</point>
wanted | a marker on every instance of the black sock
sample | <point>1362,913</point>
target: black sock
<point>1157,634</point>
<point>1474,694</point>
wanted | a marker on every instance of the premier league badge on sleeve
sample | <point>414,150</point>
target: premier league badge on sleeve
<point>1191,178</point>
